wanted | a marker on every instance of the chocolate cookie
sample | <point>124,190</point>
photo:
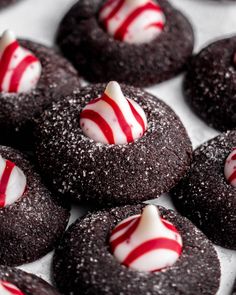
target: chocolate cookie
<point>5,3</point>
<point>234,289</point>
<point>83,262</point>
<point>107,174</point>
<point>15,281</point>
<point>32,220</point>
<point>100,57</point>
<point>207,194</point>
<point>210,84</point>
<point>21,105</point>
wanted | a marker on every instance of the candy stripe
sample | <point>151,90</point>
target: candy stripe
<point>122,30</point>
<point>151,245</point>
<point>138,118</point>
<point>19,72</point>
<point>101,123</point>
<point>159,25</point>
<point>4,181</point>
<point>233,157</point>
<point>5,60</point>
<point>113,12</point>
<point>11,288</point>
<point>232,177</point>
<point>122,226</point>
<point>125,236</point>
<point>169,225</point>
<point>120,117</point>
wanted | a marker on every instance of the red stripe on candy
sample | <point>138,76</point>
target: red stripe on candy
<point>159,25</point>
<point>126,235</point>
<point>122,226</point>
<point>102,124</point>
<point>120,117</point>
<point>138,118</point>
<point>6,59</point>
<point>122,30</point>
<point>151,245</point>
<point>233,157</point>
<point>106,5</point>
<point>19,72</point>
<point>12,290</point>
<point>4,181</point>
<point>232,177</point>
<point>169,226</point>
<point>113,12</point>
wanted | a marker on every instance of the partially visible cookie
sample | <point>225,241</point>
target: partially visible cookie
<point>234,289</point>
<point>32,76</point>
<point>32,220</point>
<point>5,3</point>
<point>100,56</point>
<point>84,262</point>
<point>207,193</point>
<point>17,282</point>
<point>210,84</point>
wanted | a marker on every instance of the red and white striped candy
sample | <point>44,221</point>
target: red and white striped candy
<point>230,168</point>
<point>132,21</point>
<point>19,69</point>
<point>9,289</point>
<point>146,242</point>
<point>12,182</point>
<point>112,118</point>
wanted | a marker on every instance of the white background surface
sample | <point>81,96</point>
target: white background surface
<point>38,20</point>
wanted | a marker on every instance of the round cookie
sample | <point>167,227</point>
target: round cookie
<point>210,86</point>
<point>108,174</point>
<point>234,289</point>
<point>101,58</point>
<point>28,284</point>
<point>31,226</point>
<point>5,3</point>
<point>205,196</point>
<point>83,261</point>
<point>20,110</point>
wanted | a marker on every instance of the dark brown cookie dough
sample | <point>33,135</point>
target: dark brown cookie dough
<point>28,283</point>
<point>19,110</point>
<point>83,263</point>
<point>97,173</point>
<point>100,58</point>
<point>210,84</point>
<point>234,289</point>
<point>30,227</point>
<point>204,195</point>
<point>5,3</point>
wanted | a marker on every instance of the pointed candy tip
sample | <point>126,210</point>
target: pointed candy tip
<point>8,34</point>
<point>113,90</point>
<point>151,209</point>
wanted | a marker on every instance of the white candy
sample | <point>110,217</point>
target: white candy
<point>111,118</point>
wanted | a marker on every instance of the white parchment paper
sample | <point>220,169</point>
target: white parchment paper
<point>39,19</point>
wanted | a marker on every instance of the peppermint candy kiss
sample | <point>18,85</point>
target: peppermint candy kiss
<point>146,242</point>
<point>132,21</point>
<point>19,69</point>
<point>9,289</point>
<point>112,118</point>
<point>230,168</point>
<point>12,182</point>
